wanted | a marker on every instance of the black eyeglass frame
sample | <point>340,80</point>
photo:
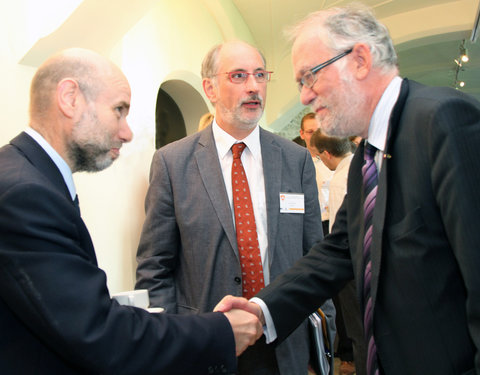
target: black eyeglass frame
<point>319,67</point>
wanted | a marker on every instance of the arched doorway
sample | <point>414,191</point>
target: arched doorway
<point>178,109</point>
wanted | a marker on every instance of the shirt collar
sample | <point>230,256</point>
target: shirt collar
<point>225,141</point>
<point>56,158</point>
<point>377,130</point>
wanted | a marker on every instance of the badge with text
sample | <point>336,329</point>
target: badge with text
<point>292,203</point>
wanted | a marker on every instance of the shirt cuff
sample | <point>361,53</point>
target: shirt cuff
<point>269,328</point>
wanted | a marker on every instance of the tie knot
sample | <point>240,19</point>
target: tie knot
<point>369,152</point>
<point>237,150</point>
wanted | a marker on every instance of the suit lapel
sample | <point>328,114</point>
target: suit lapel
<point>37,156</point>
<point>356,222</point>
<point>40,159</point>
<point>272,171</point>
<point>382,192</point>
<point>212,177</point>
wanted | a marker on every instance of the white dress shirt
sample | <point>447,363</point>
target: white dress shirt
<point>57,159</point>
<point>252,163</point>
<point>377,130</point>
<point>338,188</point>
<point>323,176</point>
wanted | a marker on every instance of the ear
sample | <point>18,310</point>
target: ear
<point>362,58</point>
<point>210,89</point>
<point>68,94</point>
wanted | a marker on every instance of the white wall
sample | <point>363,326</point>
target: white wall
<point>168,42</point>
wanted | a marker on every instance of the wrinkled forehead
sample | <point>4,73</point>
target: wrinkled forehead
<point>311,124</point>
<point>308,50</point>
<point>116,87</point>
<point>239,56</point>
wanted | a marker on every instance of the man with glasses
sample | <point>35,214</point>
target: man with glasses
<point>192,250</point>
<point>408,228</point>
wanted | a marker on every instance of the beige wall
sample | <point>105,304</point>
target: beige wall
<point>166,43</point>
<point>163,40</point>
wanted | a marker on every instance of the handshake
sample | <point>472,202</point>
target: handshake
<point>246,319</point>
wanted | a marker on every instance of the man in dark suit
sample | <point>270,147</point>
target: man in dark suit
<point>188,254</point>
<point>422,312</point>
<point>56,315</point>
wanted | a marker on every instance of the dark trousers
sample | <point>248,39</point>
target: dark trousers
<point>258,359</point>
<point>353,322</point>
<point>344,350</point>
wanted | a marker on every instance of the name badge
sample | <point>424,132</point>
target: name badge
<point>292,203</point>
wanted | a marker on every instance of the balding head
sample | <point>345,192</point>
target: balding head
<point>84,66</point>
<point>79,103</point>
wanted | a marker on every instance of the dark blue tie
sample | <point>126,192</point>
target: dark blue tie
<point>76,203</point>
<point>370,183</point>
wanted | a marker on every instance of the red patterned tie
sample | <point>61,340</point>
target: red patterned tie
<point>247,240</point>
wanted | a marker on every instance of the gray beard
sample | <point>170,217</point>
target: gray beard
<point>89,158</point>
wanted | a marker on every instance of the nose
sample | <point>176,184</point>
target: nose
<point>307,95</point>
<point>252,84</point>
<point>125,133</point>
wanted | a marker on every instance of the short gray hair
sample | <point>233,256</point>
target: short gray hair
<point>53,71</point>
<point>346,26</point>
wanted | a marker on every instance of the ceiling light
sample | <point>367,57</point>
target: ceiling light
<point>463,52</point>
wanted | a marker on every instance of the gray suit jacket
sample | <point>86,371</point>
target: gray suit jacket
<point>188,257</point>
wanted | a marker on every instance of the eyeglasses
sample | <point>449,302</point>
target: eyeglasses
<point>309,78</point>
<point>239,76</point>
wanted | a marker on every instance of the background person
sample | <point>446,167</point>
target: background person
<point>308,126</point>
<point>205,120</point>
<point>336,154</point>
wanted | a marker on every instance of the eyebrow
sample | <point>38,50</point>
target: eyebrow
<point>245,70</point>
<point>301,72</point>
<point>123,104</point>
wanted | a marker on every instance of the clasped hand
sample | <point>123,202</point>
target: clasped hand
<point>246,319</point>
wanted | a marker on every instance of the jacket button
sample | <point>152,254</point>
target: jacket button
<point>238,280</point>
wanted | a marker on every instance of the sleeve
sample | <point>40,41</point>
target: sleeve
<point>313,231</point>
<point>455,173</point>
<point>158,249</point>
<point>53,287</point>
<point>311,282</point>
<point>312,222</point>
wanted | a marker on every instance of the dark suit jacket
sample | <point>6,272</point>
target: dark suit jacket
<point>425,249</point>
<point>56,315</point>
<point>188,256</point>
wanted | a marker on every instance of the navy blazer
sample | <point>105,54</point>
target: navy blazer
<point>56,315</point>
<point>425,246</point>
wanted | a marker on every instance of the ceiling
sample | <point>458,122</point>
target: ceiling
<point>427,33</point>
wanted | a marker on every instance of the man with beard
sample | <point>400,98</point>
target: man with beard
<point>192,251</point>
<point>56,315</point>
<point>408,228</point>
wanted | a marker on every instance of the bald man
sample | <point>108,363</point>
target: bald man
<point>192,251</point>
<point>56,315</point>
